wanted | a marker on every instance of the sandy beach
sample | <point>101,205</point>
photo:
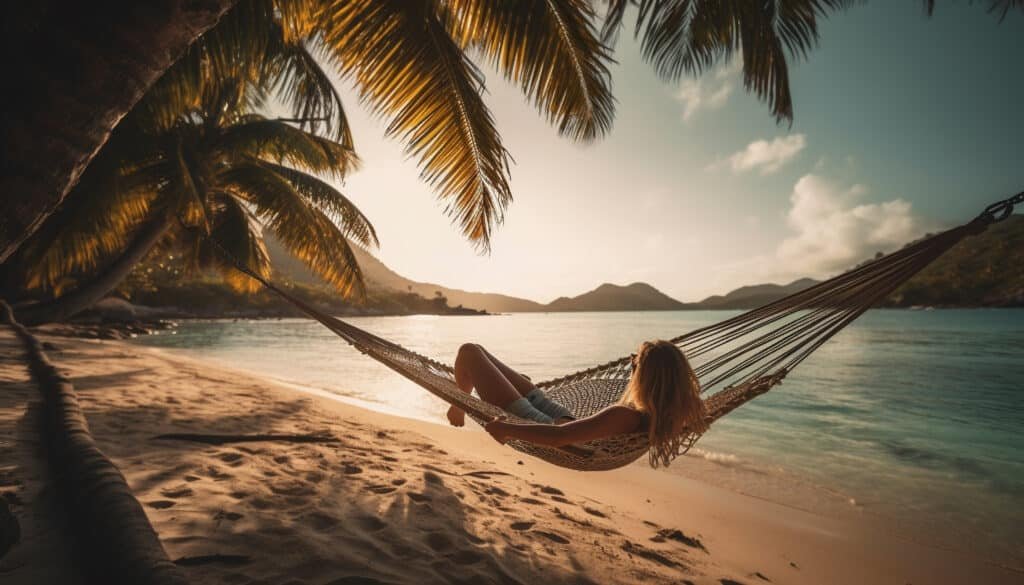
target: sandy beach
<point>382,499</point>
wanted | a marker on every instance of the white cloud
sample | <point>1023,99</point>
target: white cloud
<point>708,92</point>
<point>830,232</point>
<point>833,232</point>
<point>768,156</point>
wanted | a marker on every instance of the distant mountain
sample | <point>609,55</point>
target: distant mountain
<point>638,296</point>
<point>985,270</point>
<point>749,297</point>
<point>381,278</point>
<point>379,275</point>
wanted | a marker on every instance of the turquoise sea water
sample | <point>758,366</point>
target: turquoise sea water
<point>917,416</point>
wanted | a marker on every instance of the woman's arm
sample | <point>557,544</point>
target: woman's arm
<point>614,420</point>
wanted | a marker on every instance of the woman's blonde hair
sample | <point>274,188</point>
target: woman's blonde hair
<point>664,387</point>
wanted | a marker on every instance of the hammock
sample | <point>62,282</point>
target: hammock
<point>736,360</point>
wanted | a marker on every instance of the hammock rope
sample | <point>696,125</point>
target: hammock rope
<point>736,360</point>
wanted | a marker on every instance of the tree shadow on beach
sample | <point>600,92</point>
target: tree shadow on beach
<point>377,505</point>
<point>389,511</point>
<point>42,552</point>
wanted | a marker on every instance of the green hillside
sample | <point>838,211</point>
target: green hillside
<point>982,271</point>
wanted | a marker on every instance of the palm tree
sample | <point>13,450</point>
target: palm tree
<point>206,184</point>
<point>78,68</point>
<point>411,65</point>
<point>689,37</point>
<point>411,62</point>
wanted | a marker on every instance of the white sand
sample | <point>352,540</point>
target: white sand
<point>403,501</point>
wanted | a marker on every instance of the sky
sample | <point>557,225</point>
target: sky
<point>903,125</point>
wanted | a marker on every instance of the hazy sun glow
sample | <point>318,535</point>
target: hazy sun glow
<point>698,191</point>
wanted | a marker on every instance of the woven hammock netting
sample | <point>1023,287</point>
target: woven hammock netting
<point>736,360</point>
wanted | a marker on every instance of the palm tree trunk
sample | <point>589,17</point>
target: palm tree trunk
<point>76,69</point>
<point>66,306</point>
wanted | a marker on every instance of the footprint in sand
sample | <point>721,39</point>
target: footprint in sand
<point>552,536</point>
<point>232,516</point>
<point>370,523</point>
<point>651,555</point>
<point>418,497</point>
<point>161,504</point>
<point>175,493</point>
<point>526,525</point>
<point>282,459</point>
<point>320,521</point>
<point>551,490</point>
<point>439,541</point>
<point>216,474</point>
<point>350,469</point>
<point>234,459</point>
<point>292,488</point>
<point>261,503</point>
<point>594,512</point>
<point>531,501</point>
<point>398,481</point>
<point>678,536</point>
<point>191,478</point>
<point>380,489</point>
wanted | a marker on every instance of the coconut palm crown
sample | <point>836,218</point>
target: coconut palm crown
<point>205,183</point>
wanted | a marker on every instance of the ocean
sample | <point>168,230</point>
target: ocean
<point>914,417</point>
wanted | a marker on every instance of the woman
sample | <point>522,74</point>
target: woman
<point>662,399</point>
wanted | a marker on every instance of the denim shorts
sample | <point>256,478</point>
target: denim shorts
<point>536,406</point>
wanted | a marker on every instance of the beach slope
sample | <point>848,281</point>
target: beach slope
<point>333,493</point>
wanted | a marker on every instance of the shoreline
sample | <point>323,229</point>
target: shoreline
<point>828,501</point>
<point>509,516</point>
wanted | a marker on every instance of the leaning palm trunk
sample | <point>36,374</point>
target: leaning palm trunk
<point>101,58</point>
<point>66,306</point>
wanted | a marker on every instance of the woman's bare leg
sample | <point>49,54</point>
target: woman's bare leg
<point>521,382</point>
<point>474,369</point>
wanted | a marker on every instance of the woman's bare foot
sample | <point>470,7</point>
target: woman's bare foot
<point>456,416</point>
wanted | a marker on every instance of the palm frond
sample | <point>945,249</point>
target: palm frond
<point>296,77</point>
<point>333,203</point>
<point>1000,8</point>
<point>691,36</point>
<point>552,50</point>
<point>186,188</point>
<point>408,69</point>
<point>304,230</point>
<point>236,236</point>
<point>236,48</point>
<point>256,136</point>
<point>95,222</point>
<point>613,18</point>
<point>255,43</point>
